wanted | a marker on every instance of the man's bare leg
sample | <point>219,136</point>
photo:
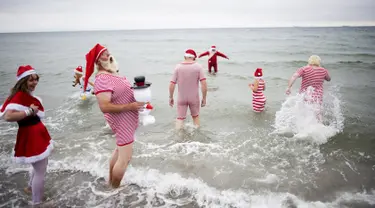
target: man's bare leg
<point>124,156</point>
<point>196,121</point>
<point>179,123</point>
<point>112,164</point>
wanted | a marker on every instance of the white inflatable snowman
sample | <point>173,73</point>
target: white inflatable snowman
<point>142,93</point>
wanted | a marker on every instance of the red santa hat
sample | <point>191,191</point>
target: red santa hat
<point>78,70</point>
<point>258,73</point>
<point>91,57</point>
<point>190,53</point>
<point>213,48</point>
<point>24,71</point>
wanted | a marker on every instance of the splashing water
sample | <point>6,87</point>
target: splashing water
<point>300,119</point>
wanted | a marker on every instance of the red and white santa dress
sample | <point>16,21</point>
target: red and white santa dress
<point>33,140</point>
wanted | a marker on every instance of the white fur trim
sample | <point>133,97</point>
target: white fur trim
<point>188,55</point>
<point>35,158</point>
<point>100,53</point>
<point>26,73</point>
<point>18,107</point>
<point>258,77</point>
<point>211,53</point>
<point>78,72</point>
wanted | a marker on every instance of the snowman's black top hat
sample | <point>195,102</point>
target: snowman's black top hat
<point>139,82</point>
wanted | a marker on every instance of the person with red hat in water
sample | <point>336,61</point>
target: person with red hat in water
<point>212,54</point>
<point>116,100</point>
<point>259,85</point>
<point>187,76</point>
<point>33,144</point>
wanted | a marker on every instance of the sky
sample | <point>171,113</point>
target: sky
<point>81,15</point>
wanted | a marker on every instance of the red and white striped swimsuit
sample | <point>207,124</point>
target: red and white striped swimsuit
<point>123,124</point>
<point>259,100</point>
<point>313,77</point>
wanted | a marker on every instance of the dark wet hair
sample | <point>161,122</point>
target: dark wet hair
<point>21,85</point>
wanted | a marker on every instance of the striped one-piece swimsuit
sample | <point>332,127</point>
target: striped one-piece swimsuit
<point>259,100</point>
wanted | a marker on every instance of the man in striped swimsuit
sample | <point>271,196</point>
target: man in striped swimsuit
<point>187,76</point>
<point>116,100</point>
<point>313,75</point>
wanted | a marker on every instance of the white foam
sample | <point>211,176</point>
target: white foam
<point>299,118</point>
<point>269,179</point>
<point>172,187</point>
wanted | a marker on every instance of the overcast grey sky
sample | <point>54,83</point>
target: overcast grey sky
<point>60,15</point>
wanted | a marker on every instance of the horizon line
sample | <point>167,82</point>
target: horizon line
<point>189,28</point>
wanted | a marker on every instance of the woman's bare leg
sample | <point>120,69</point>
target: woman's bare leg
<point>196,121</point>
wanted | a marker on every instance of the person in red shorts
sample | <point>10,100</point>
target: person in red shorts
<point>116,100</point>
<point>187,75</point>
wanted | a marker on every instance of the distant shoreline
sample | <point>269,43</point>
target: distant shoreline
<point>175,29</point>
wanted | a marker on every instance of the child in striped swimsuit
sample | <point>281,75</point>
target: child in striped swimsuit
<point>259,85</point>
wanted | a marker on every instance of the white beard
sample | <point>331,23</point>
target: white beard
<point>110,65</point>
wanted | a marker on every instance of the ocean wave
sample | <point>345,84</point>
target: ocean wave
<point>243,63</point>
<point>293,63</point>
<point>367,55</point>
<point>351,62</point>
<point>158,40</point>
<point>151,188</point>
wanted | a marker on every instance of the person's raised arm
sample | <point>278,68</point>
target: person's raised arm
<point>297,74</point>
<point>222,55</point>
<point>291,81</point>
<point>204,54</point>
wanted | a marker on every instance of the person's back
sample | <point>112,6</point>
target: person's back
<point>260,88</point>
<point>187,77</point>
<point>312,76</point>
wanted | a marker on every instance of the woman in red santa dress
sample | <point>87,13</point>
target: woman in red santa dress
<point>33,144</point>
